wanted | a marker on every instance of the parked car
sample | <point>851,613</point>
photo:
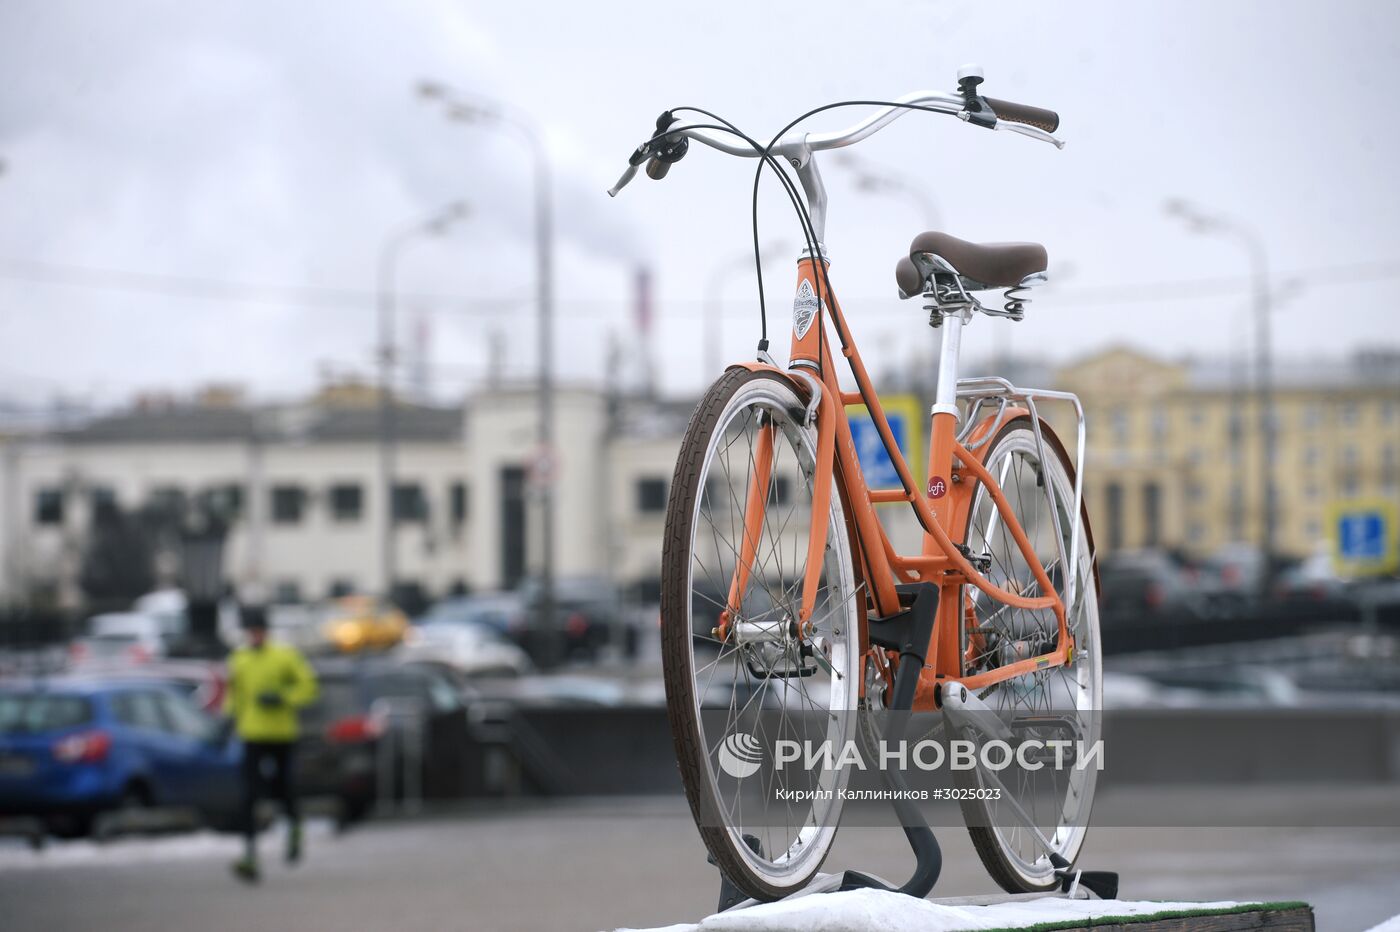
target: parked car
<point>1313,579</point>
<point>467,646</point>
<point>586,613</point>
<point>1230,580</point>
<point>201,682</point>
<point>357,719</point>
<point>1145,584</point>
<point>501,611</point>
<point>131,637</point>
<point>71,749</point>
<point>355,623</point>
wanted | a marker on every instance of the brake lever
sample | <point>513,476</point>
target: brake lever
<point>1031,131</point>
<point>622,182</point>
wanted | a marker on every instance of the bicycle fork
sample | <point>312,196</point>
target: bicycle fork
<point>755,514</point>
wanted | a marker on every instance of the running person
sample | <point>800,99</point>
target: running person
<point>267,684</point>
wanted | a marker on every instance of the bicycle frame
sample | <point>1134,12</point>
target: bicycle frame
<point>941,505</point>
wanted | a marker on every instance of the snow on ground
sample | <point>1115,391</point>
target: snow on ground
<point>1390,925</point>
<point>200,845</point>
<point>856,910</point>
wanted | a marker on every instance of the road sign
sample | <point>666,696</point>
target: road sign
<point>906,424</point>
<point>1365,537</point>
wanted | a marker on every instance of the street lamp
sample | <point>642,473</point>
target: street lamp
<point>873,179</point>
<point>480,111</point>
<point>434,225</point>
<point>714,295</point>
<point>1199,221</point>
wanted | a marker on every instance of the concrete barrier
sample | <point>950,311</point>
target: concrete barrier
<point>629,751</point>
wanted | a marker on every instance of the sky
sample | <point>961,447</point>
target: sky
<point>199,192</point>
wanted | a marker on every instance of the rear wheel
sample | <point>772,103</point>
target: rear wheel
<point>730,699</point>
<point>1061,703</point>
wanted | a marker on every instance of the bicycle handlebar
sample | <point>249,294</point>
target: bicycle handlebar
<point>1035,122</point>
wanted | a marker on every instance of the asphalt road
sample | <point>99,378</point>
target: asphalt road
<point>636,862</point>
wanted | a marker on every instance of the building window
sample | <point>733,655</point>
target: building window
<point>1198,417</point>
<point>1349,456</point>
<point>780,492</point>
<point>1196,532</point>
<point>1236,427</point>
<point>1119,420</point>
<point>288,503</point>
<point>1312,456</point>
<point>226,500</point>
<point>410,504</point>
<point>340,587</point>
<point>651,495</point>
<point>1237,511</point>
<point>1113,499</point>
<point>48,506</point>
<point>1312,416</point>
<point>1350,414</point>
<point>1152,514</point>
<point>168,500</point>
<point>347,501</point>
<point>457,495</point>
<point>287,592</point>
<point>102,498</point>
<point>1160,426</point>
<point>1388,409</point>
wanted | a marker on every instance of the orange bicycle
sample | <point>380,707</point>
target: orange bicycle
<point>783,594</point>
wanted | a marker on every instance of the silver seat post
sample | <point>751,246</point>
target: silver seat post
<point>946,399</point>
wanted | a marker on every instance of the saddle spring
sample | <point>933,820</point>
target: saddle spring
<point>1016,299</point>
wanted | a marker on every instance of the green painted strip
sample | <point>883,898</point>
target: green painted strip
<point>1088,922</point>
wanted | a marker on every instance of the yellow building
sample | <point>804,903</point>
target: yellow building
<point>1174,448</point>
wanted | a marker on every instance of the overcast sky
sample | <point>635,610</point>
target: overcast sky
<point>259,153</point>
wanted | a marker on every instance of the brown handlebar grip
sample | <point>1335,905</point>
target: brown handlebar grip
<point>1038,117</point>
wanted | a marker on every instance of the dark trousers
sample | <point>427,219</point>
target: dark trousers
<point>267,771</point>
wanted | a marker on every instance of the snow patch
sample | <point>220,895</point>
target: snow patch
<point>855,910</point>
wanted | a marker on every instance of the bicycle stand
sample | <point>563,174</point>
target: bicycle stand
<point>909,632</point>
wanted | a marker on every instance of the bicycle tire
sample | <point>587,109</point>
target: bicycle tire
<point>761,875</point>
<point>1011,869</point>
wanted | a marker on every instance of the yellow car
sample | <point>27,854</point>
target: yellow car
<point>355,623</point>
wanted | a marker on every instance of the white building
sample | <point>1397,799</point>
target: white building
<point>310,505</point>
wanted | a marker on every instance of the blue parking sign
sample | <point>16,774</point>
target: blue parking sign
<point>902,412</point>
<point>1365,537</point>
<point>1361,536</point>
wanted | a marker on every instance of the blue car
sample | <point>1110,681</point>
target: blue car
<point>71,749</point>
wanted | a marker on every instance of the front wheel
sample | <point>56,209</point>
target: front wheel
<point>1044,809</point>
<point>734,692</point>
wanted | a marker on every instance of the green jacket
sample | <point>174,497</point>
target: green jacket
<point>266,687</point>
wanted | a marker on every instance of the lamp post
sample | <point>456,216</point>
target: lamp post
<point>714,296</point>
<point>1199,221</point>
<point>434,225</point>
<point>873,179</point>
<point>477,110</point>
